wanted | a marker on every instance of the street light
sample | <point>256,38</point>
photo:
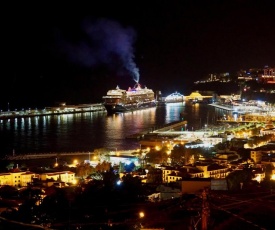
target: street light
<point>141,214</point>
<point>117,153</point>
<point>143,159</point>
<point>143,156</point>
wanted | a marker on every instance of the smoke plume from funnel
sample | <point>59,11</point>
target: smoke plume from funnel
<point>104,42</point>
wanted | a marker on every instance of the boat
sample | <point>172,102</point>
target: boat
<point>136,98</point>
<point>174,98</point>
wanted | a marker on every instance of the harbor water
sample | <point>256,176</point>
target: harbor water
<point>93,130</point>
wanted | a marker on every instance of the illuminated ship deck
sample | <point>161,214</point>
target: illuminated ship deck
<point>174,97</point>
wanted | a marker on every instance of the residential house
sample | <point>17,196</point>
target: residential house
<point>63,176</point>
<point>226,156</point>
<point>213,170</point>
<point>16,178</point>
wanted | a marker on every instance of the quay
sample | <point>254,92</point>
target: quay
<point>221,106</point>
<point>243,108</point>
<point>165,128</point>
<point>57,110</point>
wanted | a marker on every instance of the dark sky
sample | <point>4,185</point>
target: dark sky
<point>75,52</point>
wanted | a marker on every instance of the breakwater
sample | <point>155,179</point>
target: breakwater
<point>89,154</point>
<point>58,110</point>
<point>33,156</point>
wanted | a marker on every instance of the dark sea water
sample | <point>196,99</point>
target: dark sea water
<point>92,130</point>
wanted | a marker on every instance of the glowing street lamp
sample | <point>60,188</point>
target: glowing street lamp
<point>143,156</point>
<point>56,164</point>
<point>141,214</point>
<point>169,161</point>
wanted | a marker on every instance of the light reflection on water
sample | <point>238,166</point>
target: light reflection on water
<point>88,131</point>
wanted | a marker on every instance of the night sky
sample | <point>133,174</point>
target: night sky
<point>75,52</point>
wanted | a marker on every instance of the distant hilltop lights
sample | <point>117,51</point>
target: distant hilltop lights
<point>265,75</point>
<point>221,77</point>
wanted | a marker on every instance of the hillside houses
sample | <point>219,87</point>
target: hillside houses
<point>18,178</point>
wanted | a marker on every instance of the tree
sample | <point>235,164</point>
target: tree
<point>237,177</point>
<point>177,154</point>
<point>132,187</point>
<point>56,203</point>
<point>103,167</point>
<point>102,154</point>
<point>10,166</point>
<point>110,179</point>
<point>157,157</point>
<point>154,175</point>
<point>84,169</point>
<point>7,191</point>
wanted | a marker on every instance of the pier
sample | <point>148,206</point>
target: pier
<point>165,128</point>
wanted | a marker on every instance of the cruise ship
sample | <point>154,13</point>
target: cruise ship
<point>136,98</point>
<point>174,98</point>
